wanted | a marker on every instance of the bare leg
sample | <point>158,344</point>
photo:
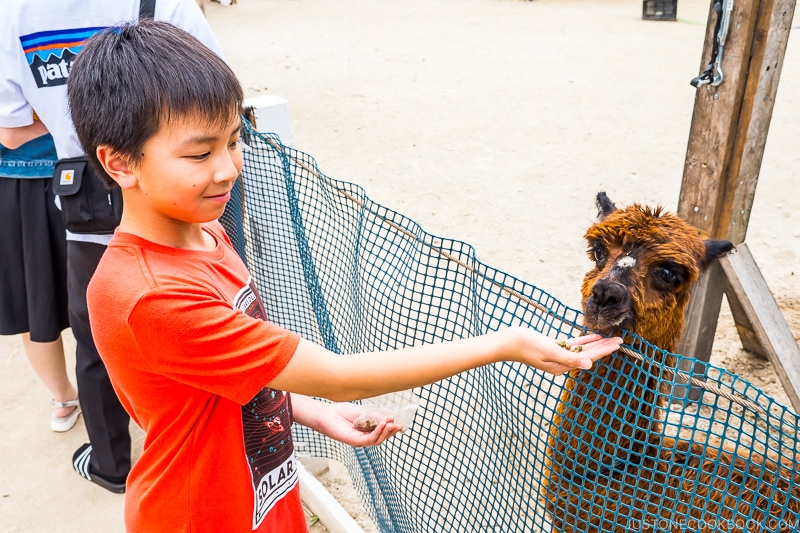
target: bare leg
<point>47,360</point>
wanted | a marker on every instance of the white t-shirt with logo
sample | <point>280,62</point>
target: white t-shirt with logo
<point>40,39</point>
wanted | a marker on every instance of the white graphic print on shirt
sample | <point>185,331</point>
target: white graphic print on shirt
<point>50,53</point>
<point>267,426</point>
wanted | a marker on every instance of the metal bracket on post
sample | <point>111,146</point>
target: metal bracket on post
<point>713,73</point>
<point>722,35</point>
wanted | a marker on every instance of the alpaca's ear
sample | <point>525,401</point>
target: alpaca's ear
<point>604,206</point>
<point>714,249</point>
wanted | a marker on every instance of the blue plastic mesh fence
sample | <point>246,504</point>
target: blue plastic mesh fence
<point>503,448</point>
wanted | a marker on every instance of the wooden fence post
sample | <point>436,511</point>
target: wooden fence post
<point>729,130</point>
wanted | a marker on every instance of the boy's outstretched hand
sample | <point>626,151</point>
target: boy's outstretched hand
<point>560,357</point>
<point>335,420</point>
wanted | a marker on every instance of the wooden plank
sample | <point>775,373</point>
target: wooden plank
<point>705,303</point>
<point>726,147</point>
<point>766,62</point>
<point>764,316</point>
<point>712,135</point>
<point>702,315</point>
<point>744,327</point>
<point>715,120</point>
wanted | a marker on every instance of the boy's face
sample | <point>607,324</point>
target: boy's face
<point>188,169</point>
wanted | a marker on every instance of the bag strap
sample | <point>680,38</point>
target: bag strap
<point>147,9</point>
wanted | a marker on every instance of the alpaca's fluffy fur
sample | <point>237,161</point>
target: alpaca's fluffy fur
<point>608,469</point>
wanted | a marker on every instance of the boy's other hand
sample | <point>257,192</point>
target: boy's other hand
<point>337,423</point>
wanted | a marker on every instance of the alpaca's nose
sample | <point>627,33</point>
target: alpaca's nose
<point>608,293</point>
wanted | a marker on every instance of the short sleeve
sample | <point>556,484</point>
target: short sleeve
<point>15,111</point>
<point>194,338</point>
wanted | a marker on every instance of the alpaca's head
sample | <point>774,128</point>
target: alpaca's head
<point>645,261</point>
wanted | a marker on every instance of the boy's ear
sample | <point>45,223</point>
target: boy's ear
<point>116,166</point>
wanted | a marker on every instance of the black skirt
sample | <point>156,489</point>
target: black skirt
<point>33,260</point>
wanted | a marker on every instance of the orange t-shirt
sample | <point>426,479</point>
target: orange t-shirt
<point>185,339</point>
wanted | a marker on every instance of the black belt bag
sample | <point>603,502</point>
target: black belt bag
<point>86,205</point>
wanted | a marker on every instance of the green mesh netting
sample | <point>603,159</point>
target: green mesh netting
<point>505,447</point>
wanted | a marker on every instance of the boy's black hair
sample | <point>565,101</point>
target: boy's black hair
<point>129,81</point>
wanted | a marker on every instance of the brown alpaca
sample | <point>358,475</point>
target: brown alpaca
<point>607,467</point>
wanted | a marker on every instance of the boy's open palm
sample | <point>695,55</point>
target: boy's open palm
<point>335,420</point>
<point>338,424</point>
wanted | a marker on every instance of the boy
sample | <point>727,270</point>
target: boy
<point>179,323</point>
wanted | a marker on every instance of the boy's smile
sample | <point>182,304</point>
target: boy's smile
<point>183,179</point>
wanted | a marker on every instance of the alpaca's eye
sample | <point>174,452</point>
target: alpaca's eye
<point>599,255</point>
<point>666,275</point>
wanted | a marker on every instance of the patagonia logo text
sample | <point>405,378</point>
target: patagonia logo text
<point>50,54</point>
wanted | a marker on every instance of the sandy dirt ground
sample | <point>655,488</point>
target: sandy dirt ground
<point>494,122</point>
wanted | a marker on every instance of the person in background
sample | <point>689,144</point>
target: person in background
<point>38,44</point>
<point>33,273</point>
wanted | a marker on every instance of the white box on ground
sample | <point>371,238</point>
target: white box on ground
<point>272,115</point>
<point>330,512</point>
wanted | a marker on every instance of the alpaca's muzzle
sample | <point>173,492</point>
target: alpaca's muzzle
<point>608,306</point>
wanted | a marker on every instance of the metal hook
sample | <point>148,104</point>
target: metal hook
<point>713,73</point>
<point>722,35</point>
